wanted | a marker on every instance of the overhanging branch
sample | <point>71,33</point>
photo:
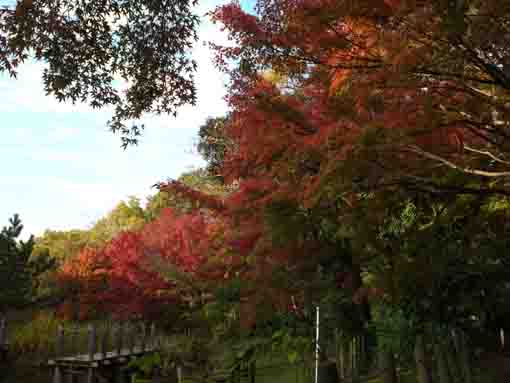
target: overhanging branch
<point>450,164</point>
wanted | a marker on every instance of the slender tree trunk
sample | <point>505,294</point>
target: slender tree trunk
<point>340,354</point>
<point>388,366</point>
<point>355,359</point>
<point>422,367</point>
<point>363,360</point>
<point>348,358</point>
<point>452,358</point>
<point>464,359</point>
<point>442,364</point>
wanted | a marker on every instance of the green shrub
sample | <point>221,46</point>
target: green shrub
<point>35,337</point>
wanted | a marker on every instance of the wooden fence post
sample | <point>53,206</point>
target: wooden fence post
<point>91,351</point>
<point>115,337</point>
<point>59,351</point>
<point>59,345</point>
<point>74,339</point>
<point>120,335</point>
<point>91,342</point>
<point>104,341</point>
<point>3,332</point>
<point>132,338</point>
<point>91,376</point>
<point>179,374</point>
<point>57,375</point>
<point>144,337</point>
<point>152,337</point>
<point>127,337</point>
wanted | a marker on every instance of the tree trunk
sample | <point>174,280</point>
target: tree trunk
<point>340,354</point>
<point>442,365</point>
<point>464,359</point>
<point>355,359</point>
<point>451,357</point>
<point>422,368</point>
<point>389,371</point>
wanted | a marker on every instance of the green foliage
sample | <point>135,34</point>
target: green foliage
<point>198,179</point>
<point>295,347</point>
<point>42,268</point>
<point>213,144</point>
<point>286,221</point>
<point>61,245</point>
<point>36,337</point>
<point>144,366</point>
<point>395,331</point>
<point>123,217</point>
<point>16,269</point>
<point>89,46</point>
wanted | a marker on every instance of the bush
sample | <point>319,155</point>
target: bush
<point>36,337</point>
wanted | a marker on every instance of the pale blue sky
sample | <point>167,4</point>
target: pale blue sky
<point>62,169</point>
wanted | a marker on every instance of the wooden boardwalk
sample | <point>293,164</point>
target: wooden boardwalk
<point>106,355</point>
<point>101,358</point>
<point>93,356</point>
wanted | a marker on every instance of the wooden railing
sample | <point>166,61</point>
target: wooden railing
<point>4,344</point>
<point>3,333</point>
<point>105,342</point>
<point>96,352</point>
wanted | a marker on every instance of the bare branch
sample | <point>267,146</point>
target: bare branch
<point>487,153</point>
<point>430,186</point>
<point>435,157</point>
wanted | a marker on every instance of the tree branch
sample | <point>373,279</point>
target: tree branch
<point>487,153</point>
<point>432,156</point>
<point>427,72</point>
<point>429,186</point>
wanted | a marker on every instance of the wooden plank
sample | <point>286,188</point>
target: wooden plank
<point>100,356</point>
<point>88,362</point>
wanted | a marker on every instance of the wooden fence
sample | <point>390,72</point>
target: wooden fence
<point>4,345</point>
<point>101,353</point>
<point>97,342</point>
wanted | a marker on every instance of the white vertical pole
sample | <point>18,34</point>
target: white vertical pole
<point>317,345</point>
<point>502,337</point>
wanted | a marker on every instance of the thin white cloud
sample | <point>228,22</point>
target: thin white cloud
<point>58,134</point>
<point>58,156</point>
<point>26,94</point>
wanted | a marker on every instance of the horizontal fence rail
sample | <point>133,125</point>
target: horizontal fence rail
<point>97,343</point>
<point>98,351</point>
